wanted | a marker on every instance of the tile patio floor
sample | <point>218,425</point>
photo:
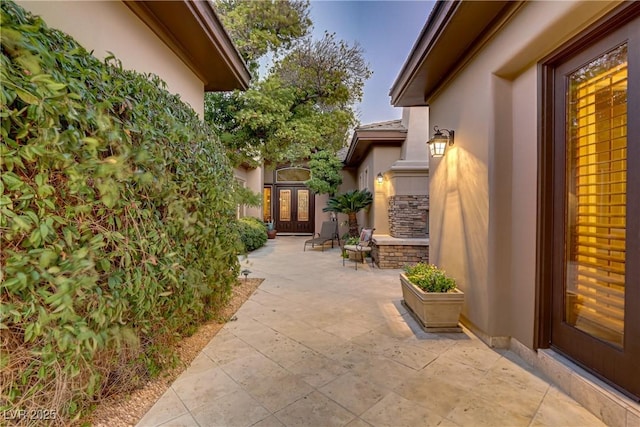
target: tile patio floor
<point>320,344</point>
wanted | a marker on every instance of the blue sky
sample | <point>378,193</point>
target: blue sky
<point>386,30</point>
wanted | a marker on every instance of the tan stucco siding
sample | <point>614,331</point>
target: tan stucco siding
<point>382,159</point>
<point>109,26</point>
<point>483,192</point>
<point>253,180</point>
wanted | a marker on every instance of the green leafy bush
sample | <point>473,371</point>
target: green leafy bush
<point>253,233</point>
<point>429,278</point>
<point>117,230</point>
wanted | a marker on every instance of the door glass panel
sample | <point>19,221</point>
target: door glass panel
<point>266,204</point>
<point>285,205</point>
<point>293,175</point>
<point>596,197</point>
<point>303,205</point>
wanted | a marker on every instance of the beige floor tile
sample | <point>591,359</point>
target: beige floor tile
<point>168,407</point>
<point>286,352</point>
<point>276,392</point>
<point>225,350</point>
<point>383,371</point>
<point>355,393</point>
<point>271,421</point>
<point>185,420</point>
<point>314,409</point>
<point>411,356</point>
<point>317,370</point>
<point>358,422</point>
<point>253,365</point>
<point>237,409</point>
<point>513,397</point>
<point>196,390</point>
<point>346,330</point>
<point>200,364</point>
<point>474,353</point>
<point>557,409</point>
<point>454,373</point>
<point>396,411</point>
<point>435,393</point>
<point>479,412</point>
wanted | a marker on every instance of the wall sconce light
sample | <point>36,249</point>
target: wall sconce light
<point>438,144</point>
<point>380,178</point>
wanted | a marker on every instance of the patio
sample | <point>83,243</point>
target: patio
<point>320,344</point>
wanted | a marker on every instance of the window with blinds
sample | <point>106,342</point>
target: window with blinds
<point>596,197</point>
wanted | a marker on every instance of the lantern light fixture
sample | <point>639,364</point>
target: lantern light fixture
<point>380,178</point>
<point>438,144</point>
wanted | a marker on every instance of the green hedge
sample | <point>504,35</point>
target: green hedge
<point>116,218</point>
<point>253,233</point>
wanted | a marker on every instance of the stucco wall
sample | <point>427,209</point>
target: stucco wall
<point>109,26</point>
<point>483,192</point>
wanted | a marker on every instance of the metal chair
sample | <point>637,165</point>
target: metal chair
<point>328,232</point>
<point>362,247</point>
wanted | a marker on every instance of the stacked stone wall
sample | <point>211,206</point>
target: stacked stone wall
<point>409,216</point>
<point>397,256</point>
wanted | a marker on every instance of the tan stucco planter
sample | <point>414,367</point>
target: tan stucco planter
<point>435,311</point>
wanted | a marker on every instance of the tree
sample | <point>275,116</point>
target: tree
<point>266,26</point>
<point>325,173</point>
<point>350,203</point>
<point>305,102</point>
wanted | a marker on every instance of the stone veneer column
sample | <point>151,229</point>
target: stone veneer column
<point>408,216</point>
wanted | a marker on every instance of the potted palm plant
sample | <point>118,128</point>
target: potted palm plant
<point>432,297</point>
<point>350,203</point>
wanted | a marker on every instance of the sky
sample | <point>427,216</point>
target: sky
<point>386,30</point>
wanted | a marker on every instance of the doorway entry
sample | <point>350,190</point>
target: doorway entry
<point>590,257</point>
<point>292,203</point>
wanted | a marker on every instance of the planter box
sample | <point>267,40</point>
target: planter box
<point>435,311</point>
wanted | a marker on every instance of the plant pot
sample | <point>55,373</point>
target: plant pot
<point>271,234</point>
<point>435,311</point>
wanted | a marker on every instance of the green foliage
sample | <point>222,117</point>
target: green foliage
<point>429,278</point>
<point>253,233</point>
<point>350,203</point>
<point>260,27</point>
<point>325,173</point>
<point>305,102</point>
<point>115,234</point>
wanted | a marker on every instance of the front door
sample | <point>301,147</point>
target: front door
<point>294,209</point>
<point>595,289</point>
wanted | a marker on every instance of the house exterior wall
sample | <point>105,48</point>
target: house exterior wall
<point>483,192</point>
<point>109,26</point>
<point>252,178</point>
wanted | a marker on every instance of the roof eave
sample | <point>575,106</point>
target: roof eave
<point>193,31</point>
<point>449,38</point>
<point>362,141</point>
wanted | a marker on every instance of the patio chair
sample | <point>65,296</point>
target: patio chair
<point>362,247</point>
<point>328,232</point>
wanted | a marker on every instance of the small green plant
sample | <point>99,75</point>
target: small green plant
<point>270,226</point>
<point>429,278</point>
<point>252,233</point>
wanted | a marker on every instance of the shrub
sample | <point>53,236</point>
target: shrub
<point>116,224</point>
<point>253,233</point>
<point>429,278</point>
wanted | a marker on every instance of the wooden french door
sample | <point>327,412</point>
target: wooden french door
<point>294,209</point>
<point>594,240</point>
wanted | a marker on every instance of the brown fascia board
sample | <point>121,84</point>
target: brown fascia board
<point>451,35</point>
<point>193,31</point>
<point>363,140</point>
